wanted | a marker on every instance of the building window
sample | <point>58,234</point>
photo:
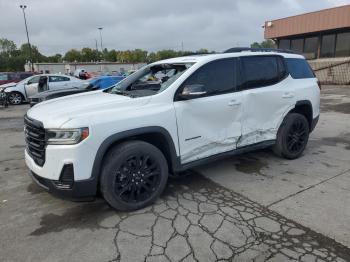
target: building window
<point>284,44</point>
<point>328,45</point>
<point>297,45</point>
<point>311,47</point>
<point>343,45</point>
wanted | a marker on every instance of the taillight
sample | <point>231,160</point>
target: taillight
<point>319,84</point>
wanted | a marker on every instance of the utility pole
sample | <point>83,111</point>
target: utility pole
<point>182,46</point>
<point>30,47</point>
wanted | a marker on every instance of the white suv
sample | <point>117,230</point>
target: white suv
<point>167,117</point>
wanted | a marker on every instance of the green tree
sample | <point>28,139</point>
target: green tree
<point>264,44</point>
<point>73,55</point>
<point>7,46</point>
<point>36,56</point>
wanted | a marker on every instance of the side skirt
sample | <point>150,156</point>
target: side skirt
<point>237,151</point>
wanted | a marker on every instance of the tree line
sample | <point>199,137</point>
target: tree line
<point>13,58</point>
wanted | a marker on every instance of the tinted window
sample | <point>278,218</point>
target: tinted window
<point>311,47</point>
<point>262,71</point>
<point>299,68</point>
<point>216,77</point>
<point>297,45</point>
<point>327,46</point>
<point>284,44</point>
<point>343,45</point>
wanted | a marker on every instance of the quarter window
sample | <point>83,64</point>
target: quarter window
<point>262,71</point>
<point>216,77</point>
<point>299,68</point>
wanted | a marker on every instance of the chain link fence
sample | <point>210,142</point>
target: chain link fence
<point>332,71</point>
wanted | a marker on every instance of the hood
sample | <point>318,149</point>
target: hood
<point>7,85</point>
<point>54,113</point>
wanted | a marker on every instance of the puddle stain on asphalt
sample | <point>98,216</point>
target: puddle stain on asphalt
<point>333,141</point>
<point>206,221</point>
<point>251,165</point>
<point>338,107</point>
<point>85,216</point>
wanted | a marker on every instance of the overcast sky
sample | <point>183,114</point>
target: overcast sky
<point>56,26</point>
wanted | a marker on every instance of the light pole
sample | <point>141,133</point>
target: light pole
<point>100,29</point>
<point>30,47</point>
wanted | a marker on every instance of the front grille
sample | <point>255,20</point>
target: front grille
<point>34,133</point>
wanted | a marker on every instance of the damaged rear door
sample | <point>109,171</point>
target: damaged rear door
<point>266,97</point>
<point>211,123</point>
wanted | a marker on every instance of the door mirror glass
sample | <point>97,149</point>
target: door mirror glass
<point>193,91</point>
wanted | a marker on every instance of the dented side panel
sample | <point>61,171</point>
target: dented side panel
<point>208,125</point>
<point>263,111</point>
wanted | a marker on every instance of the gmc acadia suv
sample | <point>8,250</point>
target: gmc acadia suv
<point>167,117</point>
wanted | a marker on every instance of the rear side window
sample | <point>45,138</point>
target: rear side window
<point>262,71</point>
<point>299,68</point>
<point>58,78</point>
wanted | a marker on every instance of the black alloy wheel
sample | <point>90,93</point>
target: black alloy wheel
<point>297,136</point>
<point>134,174</point>
<point>137,178</point>
<point>292,136</point>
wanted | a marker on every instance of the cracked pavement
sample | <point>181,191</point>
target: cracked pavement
<point>255,207</point>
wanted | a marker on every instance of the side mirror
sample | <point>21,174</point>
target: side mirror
<point>193,91</point>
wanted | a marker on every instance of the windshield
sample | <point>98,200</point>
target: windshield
<point>149,80</point>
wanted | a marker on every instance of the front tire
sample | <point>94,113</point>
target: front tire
<point>292,136</point>
<point>15,98</point>
<point>134,174</point>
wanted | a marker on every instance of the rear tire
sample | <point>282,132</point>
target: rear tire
<point>15,98</point>
<point>134,174</point>
<point>292,136</point>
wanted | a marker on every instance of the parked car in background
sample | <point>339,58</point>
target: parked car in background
<point>19,92</point>
<point>13,77</point>
<point>95,83</point>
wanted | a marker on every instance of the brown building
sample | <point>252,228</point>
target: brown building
<point>321,34</point>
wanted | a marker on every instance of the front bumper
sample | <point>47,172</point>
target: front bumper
<point>80,191</point>
<point>84,186</point>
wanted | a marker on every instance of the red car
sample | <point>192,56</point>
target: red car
<point>9,77</point>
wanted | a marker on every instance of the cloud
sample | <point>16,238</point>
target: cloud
<point>57,26</point>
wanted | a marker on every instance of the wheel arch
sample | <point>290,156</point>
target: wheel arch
<point>155,135</point>
<point>304,107</point>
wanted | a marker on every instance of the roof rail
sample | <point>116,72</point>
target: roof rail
<point>241,49</point>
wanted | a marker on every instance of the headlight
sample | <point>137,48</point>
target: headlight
<point>67,136</point>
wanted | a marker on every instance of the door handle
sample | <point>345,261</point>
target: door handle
<point>287,95</point>
<point>234,103</point>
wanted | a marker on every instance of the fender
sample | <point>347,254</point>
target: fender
<point>106,144</point>
<point>300,103</point>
